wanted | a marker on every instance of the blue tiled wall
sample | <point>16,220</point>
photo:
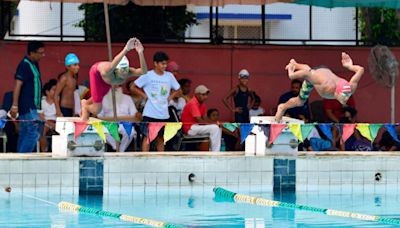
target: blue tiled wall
<point>284,175</point>
<point>91,176</point>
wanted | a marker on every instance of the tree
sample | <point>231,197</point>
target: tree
<point>380,25</point>
<point>148,23</point>
<point>7,10</point>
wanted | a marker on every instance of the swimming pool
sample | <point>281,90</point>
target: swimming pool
<point>193,206</point>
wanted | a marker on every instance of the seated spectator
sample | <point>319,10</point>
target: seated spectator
<point>231,136</point>
<point>355,142</point>
<point>256,109</point>
<point>137,98</point>
<point>317,141</point>
<point>387,143</point>
<point>334,110</point>
<point>49,113</point>
<point>178,102</point>
<point>11,128</point>
<point>301,112</point>
<point>186,86</point>
<point>195,121</point>
<point>126,111</point>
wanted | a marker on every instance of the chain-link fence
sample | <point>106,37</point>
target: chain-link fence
<point>268,24</point>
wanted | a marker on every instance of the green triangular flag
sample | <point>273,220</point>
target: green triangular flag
<point>374,128</point>
<point>306,129</point>
<point>112,128</point>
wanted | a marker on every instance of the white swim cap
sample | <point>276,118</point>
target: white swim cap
<point>123,63</point>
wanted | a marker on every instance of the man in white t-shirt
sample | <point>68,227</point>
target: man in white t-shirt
<point>157,85</point>
<point>126,111</point>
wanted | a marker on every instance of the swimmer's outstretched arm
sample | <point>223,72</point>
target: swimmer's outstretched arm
<point>347,63</point>
<point>107,68</point>
<point>133,72</point>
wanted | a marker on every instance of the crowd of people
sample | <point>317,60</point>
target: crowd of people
<point>153,94</point>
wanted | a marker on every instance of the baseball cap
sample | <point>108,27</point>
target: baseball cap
<point>244,73</point>
<point>70,59</point>
<point>123,63</point>
<point>343,87</point>
<point>202,89</point>
<point>172,66</point>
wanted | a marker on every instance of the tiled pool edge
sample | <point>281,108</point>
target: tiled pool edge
<point>310,172</point>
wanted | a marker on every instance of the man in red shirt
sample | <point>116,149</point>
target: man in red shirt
<point>334,110</point>
<point>194,118</point>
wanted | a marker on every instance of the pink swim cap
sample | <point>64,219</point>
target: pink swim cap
<point>343,86</point>
<point>172,66</point>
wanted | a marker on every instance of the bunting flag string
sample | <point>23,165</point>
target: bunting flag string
<point>391,128</point>
<point>80,127</point>
<point>326,128</point>
<point>364,130</point>
<point>154,128</point>
<point>271,131</point>
<point>374,129</point>
<point>171,129</point>
<point>275,131</point>
<point>295,128</point>
<point>3,123</point>
<point>112,128</point>
<point>347,131</point>
<point>245,130</point>
<point>306,130</point>
<point>128,126</point>
<point>230,126</point>
<point>98,126</point>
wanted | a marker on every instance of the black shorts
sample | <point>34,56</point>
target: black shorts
<point>145,129</point>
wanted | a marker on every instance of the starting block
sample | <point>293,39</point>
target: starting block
<point>88,143</point>
<point>258,144</point>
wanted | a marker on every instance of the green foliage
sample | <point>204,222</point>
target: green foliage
<point>7,11</point>
<point>379,25</point>
<point>151,24</point>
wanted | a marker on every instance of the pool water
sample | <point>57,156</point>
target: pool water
<point>192,207</point>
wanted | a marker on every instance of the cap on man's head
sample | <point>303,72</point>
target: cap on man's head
<point>201,89</point>
<point>172,66</point>
<point>244,73</point>
<point>71,59</point>
<point>123,63</point>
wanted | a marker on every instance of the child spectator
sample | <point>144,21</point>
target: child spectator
<point>179,102</point>
<point>241,95</point>
<point>157,85</point>
<point>186,87</point>
<point>231,135</point>
<point>49,112</point>
<point>256,109</point>
<point>64,95</point>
